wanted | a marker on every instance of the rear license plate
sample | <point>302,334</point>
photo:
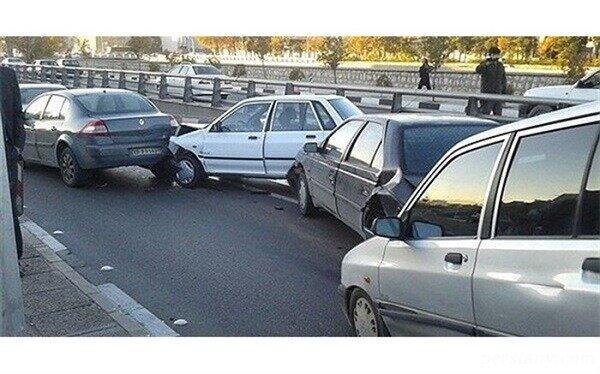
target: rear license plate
<point>145,151</point>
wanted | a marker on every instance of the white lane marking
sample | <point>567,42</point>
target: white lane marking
<point>43,236</point>
<point>126,304</point>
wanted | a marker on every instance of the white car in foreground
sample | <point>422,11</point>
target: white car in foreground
<point>586,89</point>
<point>258,137</point>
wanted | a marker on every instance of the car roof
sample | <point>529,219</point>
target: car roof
<point>412,119</point>
<point>292,97</point>
<point>85,91</point>
<point>582,110</point>
<point>41,85</point>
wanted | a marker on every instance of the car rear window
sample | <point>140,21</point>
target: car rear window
<point>425,145</point>
<point>345,108</point>
<point>73,63</point>
<point>115,102</point>
<point>206,70</point>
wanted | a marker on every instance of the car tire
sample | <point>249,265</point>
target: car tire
<point>71,172</point>
<point>162,170</point>
<point>305,203</point>
<point>191,172</point>
<point>539,109</point>
<point>364,317</point>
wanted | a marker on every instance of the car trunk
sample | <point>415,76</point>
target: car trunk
<point>138,128</point>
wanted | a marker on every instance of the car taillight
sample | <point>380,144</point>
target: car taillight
<point>95,127</point>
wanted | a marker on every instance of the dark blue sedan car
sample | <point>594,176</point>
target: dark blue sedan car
<point>83,130</point>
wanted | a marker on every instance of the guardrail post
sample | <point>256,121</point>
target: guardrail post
<point>187,90</point>
<point>397,103</point>
<point>216,94</point>
<point>472,108</point>
<point>162,87</point>
<point>122,80</point>
<point>90,79</point>
<point>340,92</point>
<point>42,74</point>
<point>53,78</point>
<point>105,82</point>
<point>251,89</point>
<point>63,77</point>
<point>141,84</point>
<point>76,78</point>
<point>289,88</point>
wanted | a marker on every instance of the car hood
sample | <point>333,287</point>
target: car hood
<point>549,91</point>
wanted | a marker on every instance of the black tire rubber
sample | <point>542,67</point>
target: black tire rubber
<point>70,171</point>
<point>306,208</point>
<point>199,173</point>
<point>357,294</point>
<point>539,109</point>
<point>162,170</point>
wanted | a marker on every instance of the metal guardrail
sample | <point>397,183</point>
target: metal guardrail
<point>156,83</point>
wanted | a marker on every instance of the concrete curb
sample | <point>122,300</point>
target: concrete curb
<point>48,251</point>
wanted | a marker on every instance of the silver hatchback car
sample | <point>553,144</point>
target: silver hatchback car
<point>500,238</point>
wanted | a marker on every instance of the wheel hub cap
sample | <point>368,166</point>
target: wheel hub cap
<point>364,319</point>
<point>186,171</point>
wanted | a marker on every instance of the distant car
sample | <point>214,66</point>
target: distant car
<point>370,165</point>
<point>38,65</point>
<point>587,89</point>
<point>83,130</point>
<point>12,61</point>
<point>201,75</point>
<point>258,137</point>
<point>69,63</point>
<point>502,237</point>
<point>30,91</point>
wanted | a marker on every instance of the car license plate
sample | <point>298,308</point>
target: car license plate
<point>145,151</point>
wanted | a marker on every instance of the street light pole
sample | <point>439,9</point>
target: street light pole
<point>11,298</point>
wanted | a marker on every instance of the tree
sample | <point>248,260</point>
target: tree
<point>463,44</point>
<point>572,56</point>
<point>83,46</point>
<point>37,47</point>
<point>218,43</point>
<point>435,48</point>
<point>332,51</point>
<point>145,44</point>
<point>261,46</point>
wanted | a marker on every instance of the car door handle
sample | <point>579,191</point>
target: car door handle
<point>591,264</point>
<point>253,137</point>
<point>455,258</point>
<point>311,136</point>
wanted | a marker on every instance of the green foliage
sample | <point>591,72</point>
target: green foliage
<point>239,71</point>
<point>572,56</point>
<point>435,48</point>
<point>214,61</point>
<point>383,81</point>
<point>37,47</point>
<point>153,66</point>
<point>332,52</point>
<point>145,44</point>
<point>296,75</point>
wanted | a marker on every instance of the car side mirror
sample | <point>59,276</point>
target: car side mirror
<point>311,147</point>
<point>389,227</point>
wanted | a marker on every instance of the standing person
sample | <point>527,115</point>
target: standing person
<point>493,80</point>
<point>424,71</point>
<point>14,136</point>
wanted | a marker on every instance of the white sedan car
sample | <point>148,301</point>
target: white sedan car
<point>258,137</point>
<point>201,75</point>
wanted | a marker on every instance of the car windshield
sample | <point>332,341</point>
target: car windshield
<point>206,70</point>
<point>115,102</point>
<point>73,63</point>
<point>425,145</point>
<point>28,94</point>
<point>345,108</point>
<point>48,62</point>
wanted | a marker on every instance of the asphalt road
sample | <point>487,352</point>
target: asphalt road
<point>230,260</point>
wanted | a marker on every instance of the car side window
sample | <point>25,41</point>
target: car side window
<point>248,118</point>
<point>592,82</point>
<point>338,141</point>
<point>590,206</point>
<point>326,121</point>
<point>377,163</point>
<point>297,116</point>
<point>66,109</point>
<point>543,182</point>
<point>365,146</point>
<point>184,70</point>
<point>451,205</point>
<point>36,108</point>
<point>52,111</point>
<point>175,70</point>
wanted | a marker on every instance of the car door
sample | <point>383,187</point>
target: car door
<point>425,279</point>
<point>234,144</point>
<point>323,165</point>
<point>33,117</point>
<point>292,124</point>
<point>48,130</point>
<point>357,177</point>
<point>538,273</point>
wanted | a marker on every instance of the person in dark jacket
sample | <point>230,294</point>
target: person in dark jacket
<point>14,136</point>
<point>424,71</point>
<point>493,80</point>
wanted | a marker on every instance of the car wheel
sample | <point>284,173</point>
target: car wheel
<point>162,170</point>
<point>364,317</point>
<point>305,203</point>
<point>539,109</point>
<point>72,174</point>
<point>190,171</point>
